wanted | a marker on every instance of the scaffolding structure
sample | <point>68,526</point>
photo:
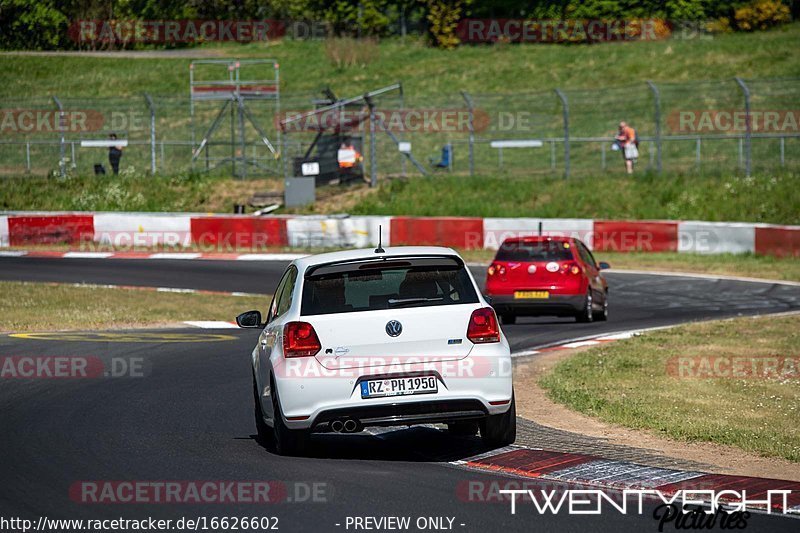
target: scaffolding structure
<point>367,107</point>
<point>246,102</point>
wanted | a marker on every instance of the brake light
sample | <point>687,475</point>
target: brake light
<point>483,326</point>
<point>300,340</point>
<point>572,268</point>
<point>497,269</point>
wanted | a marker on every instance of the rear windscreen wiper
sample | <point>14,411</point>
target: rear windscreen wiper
<point>405,301</point>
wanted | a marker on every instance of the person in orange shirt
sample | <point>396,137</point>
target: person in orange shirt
<point>347,156</point>
<point>626,139</point>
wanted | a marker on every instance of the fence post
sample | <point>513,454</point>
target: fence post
<point>242,142</point>
<point>603,155</point>
<point>697,152</point>
<point>657,99</point>
<point>61,126</point>
<point>783,151</point>
<point>152,109</point>
<point>565,108</point>
<point>402,137</point>
<point>373,166</point>
<point>284,152</point>
<point>470,110</point>
<point>748,126</point>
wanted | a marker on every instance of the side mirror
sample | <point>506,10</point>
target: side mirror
<point>604,266</point>
<point>249,319</point>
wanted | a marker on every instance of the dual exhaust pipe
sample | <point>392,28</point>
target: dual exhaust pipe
<point>346,425</point>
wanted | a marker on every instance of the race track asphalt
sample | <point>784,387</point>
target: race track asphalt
<point>189,415</point>
<point>637,301</point>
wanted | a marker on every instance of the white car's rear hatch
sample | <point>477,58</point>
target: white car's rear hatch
<point>361,339</point>
<point>390,311</point>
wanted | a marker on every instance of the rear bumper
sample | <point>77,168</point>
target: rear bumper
<point>468,389</point>
<point>420,412</point>
<point>556,304</point>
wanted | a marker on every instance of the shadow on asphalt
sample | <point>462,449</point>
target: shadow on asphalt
<point>416,444</point>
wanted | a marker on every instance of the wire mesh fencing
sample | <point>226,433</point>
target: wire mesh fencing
<point>734,125</point>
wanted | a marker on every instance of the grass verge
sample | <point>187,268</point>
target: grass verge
<point>766,198</point>
<point>38,306</point>
<point>502,68</point>
<point>634,383</point>
<point>182,193</point>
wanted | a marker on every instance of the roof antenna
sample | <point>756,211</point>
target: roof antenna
<point>379,249</point>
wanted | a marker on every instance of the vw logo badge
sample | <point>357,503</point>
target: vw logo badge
<point>394,328</point>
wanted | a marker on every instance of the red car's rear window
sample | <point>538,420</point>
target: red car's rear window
<point>534,251</point>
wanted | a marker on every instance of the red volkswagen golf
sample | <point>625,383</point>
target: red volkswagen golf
<point>547,276</point>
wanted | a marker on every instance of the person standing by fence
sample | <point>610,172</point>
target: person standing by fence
<point>627,141</point>
<point>114,154</point>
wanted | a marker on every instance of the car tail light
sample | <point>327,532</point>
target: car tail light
<point>483,326</point>
<point>497,269</point>
<point>300,340</point>
<point>572,268</point>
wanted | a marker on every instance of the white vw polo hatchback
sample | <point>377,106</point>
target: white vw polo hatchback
<point>392,337</point>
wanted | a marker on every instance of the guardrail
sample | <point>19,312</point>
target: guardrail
<point>230,233</point>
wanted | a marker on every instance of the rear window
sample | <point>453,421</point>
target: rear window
<point>534,251</point>
<point>386,284</point>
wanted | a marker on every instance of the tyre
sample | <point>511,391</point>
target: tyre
<point>587,313</point>
<point>500,430</point>
<point>507,319</point>
<point>603,315</point>
<point>463,429</point>
<point>287,441</point>
<point>264,434</point>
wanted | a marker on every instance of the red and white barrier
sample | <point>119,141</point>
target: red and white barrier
<point>345,232</point>
<point>781,241</point>
<point>126,230</point>
<point>238,232</point>
<point>460,232</point>
<point>496,230</point>
<point>716,237</point>
<point>3,231</point>
<point>635,235</point>
<point>56,228</point>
